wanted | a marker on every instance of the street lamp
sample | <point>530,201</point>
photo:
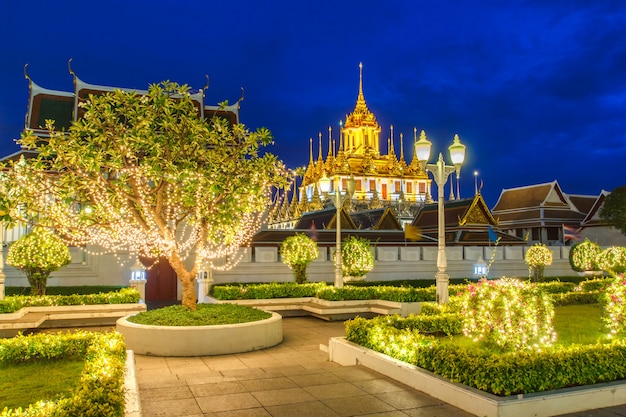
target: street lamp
<point>325,187</point>
<point>440,172</point>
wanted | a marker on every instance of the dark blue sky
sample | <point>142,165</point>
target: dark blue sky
<point>535,89</point>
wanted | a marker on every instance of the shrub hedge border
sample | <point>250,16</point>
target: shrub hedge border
<point>101,388</point>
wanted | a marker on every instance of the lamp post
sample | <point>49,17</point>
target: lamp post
<point>440,172</point>
<point>325,187</point>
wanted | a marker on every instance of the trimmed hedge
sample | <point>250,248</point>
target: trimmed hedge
<point>65,290</point>
<point>270,290</point>
<point>505,374</point>
<point>13,303</point>
<point>101,388</point>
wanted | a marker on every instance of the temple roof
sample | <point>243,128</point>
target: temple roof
<point>361,115</point>
<point>540,195</point>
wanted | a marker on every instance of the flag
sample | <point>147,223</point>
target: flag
<point>313,234</point>
<point>570,233</point>
<point>412,232</point>
<point>493,237</point>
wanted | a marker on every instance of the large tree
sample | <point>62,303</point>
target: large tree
<point>144,173</point>
<point>613,210</point>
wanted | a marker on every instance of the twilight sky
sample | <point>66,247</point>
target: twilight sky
<point>536,89</point>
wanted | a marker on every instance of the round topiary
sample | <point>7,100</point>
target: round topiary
<point>38,254</point>
<point>537,258</point>
<point>508,314</point>
<point>583,256</point>
<point>612,260</point>
<point>357,258</point>
<point>297,252</point>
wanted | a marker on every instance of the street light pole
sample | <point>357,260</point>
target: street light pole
<point>338,272</point>
<point>441,172</point>
<point>350,186</point>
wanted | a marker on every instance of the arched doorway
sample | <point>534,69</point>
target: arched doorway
<point>162,281</point>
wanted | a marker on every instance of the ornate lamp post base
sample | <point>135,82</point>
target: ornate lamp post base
<point>442,279</point>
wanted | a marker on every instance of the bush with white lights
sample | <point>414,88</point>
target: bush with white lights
<point>38,254</point>
<point>357,258</point>
<point>537,258</point>
<point>508,314</point>
<point>297,252</point>
<point>583,256</point>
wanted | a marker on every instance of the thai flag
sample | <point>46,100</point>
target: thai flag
<point>570,233</point>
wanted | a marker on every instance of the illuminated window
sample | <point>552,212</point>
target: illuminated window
<point>409,187</point>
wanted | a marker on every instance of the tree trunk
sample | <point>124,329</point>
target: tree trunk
<point>186,279</point>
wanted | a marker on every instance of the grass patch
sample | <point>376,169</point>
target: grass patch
<point>579,324</point>
<point>205,315</point>
<point>25,383</point>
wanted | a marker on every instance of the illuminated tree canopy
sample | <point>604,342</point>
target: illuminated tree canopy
<point>146,174</point>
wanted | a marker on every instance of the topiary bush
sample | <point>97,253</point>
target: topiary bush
<point>537,258</point>
<point>297,252</point>
<point>612,260</point>
<point>38,254</point>
<point>357,258</point>
<point>583,256</point>
<point>508,314</point>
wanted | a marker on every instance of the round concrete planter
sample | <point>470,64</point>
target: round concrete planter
<point>201,340</point>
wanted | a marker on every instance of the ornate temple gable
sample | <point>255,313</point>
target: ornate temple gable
<point>388,221</point>
<point>593,217</point>
<point>346,221</point>
<point>478,213</point>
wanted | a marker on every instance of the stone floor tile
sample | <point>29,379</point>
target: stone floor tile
<point>408,399</point>
<point>378,386</point>
<point>282,396</point>
<point>220,388</point>
<point>443,410</point>
<point>248,412</point>
<point>166,393</point>
<point>317,378</point>
<point>340,390</point>
<point>307,409</point>
<point>354,373</point>
<point>267,384</point>
<point>227,402</point>
<point>170,408</point>
<point>354,406</point>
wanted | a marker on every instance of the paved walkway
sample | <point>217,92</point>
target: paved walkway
<point>293,379</point>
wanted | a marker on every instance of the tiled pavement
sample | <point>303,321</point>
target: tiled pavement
<point>293,379</point>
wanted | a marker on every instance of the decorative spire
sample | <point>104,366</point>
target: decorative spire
<point>330,159</point>
<point>415,168</point>
<point>361,116</point>
<point>319,165</point>
<point>403,165</point>
<point>308,175</point>
<point>392,163</point>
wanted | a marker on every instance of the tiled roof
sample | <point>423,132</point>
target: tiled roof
<point>529,196</point>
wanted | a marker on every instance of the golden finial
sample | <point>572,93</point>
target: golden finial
<point>320,149</point>
<point>330,141</point>
<point>360,79</point>
<point>26,74</point>
<point>311,150</point>
<point>401,147</point>
<point>341,135</point>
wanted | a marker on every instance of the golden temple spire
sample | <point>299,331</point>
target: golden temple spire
<point>330,159</point>
<point>310,170</point>
<point>403,165</point>
<point>319,165</point>
<point>361,97</point>
<point>415,168</point>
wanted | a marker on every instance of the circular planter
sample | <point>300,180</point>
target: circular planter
<point>201,340</point>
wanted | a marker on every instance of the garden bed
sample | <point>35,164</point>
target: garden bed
<point>544,404</point>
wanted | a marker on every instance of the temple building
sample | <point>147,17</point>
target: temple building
<point>381,180</point>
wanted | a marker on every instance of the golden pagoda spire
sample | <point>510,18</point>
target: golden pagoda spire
<point>341,162</point>
<point>319,165</point>
<point>393,167</point>
<point>403,165</point>
<point>310,170</point>
<point>330,159</point>
<point>415,168</point>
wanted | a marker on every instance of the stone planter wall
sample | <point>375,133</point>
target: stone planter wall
<point>201,340</point>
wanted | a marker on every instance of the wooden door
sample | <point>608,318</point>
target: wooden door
<point>162,281</point>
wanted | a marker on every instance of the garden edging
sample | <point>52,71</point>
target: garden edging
<point>545,404</point>
<point>201,340</point>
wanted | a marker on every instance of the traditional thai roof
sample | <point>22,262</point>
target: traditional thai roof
<point>592,218</point>
<point>325,219</point>
<point>536,206</point>
<point>376,219</point>
<point>63,106</point>
<point>467,221</point>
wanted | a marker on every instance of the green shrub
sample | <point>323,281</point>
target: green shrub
<point>101,388</point>
<point>13,303</point>
<point>66,290</point>
<point>204,315</point>
<point>537,257</point>
<point>357,258</point>
<point>508,313</point>
<point>583,256</point>
<point>269,290</point>
<point>612,260</point>
<point>556,287</point>
<point>297,252</point>
<point>576,297</point>
<point>516,372</point>
<point>38,254</point>
<point>595,284</point>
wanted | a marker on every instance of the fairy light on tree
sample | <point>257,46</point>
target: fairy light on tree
<point>158,180</point>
